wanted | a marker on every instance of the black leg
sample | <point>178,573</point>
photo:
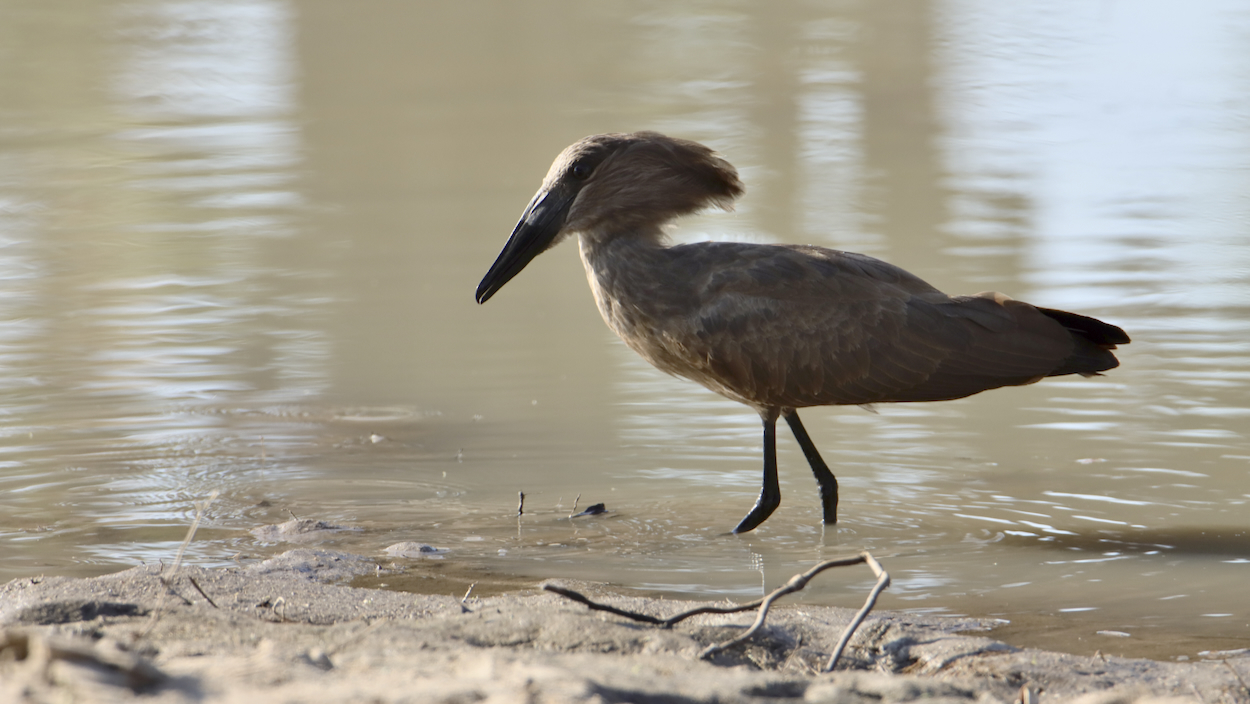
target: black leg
<point>770,494</point>
<point>828,484</point>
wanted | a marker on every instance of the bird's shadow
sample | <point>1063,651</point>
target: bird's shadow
<point>1196,540</point>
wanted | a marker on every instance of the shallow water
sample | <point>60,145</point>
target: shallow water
<point>239,240</point>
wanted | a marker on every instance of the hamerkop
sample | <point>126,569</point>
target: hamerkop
<point>777,327</point>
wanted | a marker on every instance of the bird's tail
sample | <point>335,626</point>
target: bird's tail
<point>1095,340</point>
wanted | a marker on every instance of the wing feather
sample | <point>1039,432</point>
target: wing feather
<point>796,326</point>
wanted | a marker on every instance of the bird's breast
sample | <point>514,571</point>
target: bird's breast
<point>655,308</point>
<point>641,302</point>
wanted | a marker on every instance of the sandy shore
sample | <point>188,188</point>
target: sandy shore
<point>285,630</point>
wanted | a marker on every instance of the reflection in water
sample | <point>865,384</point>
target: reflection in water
<point>1233,544</point>
<point>238,244</point>
<point>159,302</point>
<point>208,90</point>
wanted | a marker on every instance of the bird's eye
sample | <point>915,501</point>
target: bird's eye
<point>581,170</point>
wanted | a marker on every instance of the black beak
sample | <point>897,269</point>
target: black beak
<point>539,224</point>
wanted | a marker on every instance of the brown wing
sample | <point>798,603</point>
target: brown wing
<point>792,326</point>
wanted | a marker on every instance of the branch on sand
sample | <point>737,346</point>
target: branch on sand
<point>796,583</point>
<point>168,580</point>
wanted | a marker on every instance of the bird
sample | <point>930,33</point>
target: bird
<point>777,327</point>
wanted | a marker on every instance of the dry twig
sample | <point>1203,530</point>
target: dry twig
<point>1026,696</point>
<point>199,589</point>
<point>883,581</point>
<point>596,606</point>
<point>200,508</point>
<point>796,583</point>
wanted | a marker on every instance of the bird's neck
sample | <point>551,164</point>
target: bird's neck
<point>615,255</point>
<point>628,275</point>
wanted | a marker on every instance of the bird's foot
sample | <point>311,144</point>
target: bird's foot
<point>758,515</point>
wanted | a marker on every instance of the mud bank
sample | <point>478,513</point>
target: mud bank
<point>285,630</point>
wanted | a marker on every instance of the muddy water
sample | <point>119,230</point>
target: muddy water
<point>239,240</point>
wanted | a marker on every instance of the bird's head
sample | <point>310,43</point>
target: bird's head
<point>614,185</point>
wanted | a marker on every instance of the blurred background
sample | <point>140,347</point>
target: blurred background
<point>239,241</point>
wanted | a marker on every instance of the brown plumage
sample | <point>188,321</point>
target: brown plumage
<point>777,327</point>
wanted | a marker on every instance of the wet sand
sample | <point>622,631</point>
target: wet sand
<point>287,629</point>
